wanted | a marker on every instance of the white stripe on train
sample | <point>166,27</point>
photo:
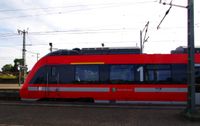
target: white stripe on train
<point>160,89</point>
<point>104,89</point>
<point>69,89</point>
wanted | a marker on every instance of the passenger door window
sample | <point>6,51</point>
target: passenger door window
<point>53,75</point>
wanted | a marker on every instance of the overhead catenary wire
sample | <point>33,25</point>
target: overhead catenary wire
<point>87,31</point>
<point>70,11</point>
<point>7,36</point>
<point>8,33</point>
<point>72,6</point>
<point>42,43</point>
<point>80,31</point>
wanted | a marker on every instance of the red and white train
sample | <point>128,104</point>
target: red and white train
<point>111,75</point>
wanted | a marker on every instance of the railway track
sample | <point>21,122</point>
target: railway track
<point>42,114</point>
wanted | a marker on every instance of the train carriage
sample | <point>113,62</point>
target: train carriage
<point>111,75</point>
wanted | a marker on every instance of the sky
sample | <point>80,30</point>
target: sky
<point>72,24</point>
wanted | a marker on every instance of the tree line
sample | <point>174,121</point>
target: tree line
<point>12,73</point>
<point>10,69</point>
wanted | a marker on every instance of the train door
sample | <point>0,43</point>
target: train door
<point>197,80</point>
<point>121,75</point>
<point>52,86</point>
<point>37,86</point>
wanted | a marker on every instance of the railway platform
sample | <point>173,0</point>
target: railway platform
<point>9,91</point>
<point>10,86</point>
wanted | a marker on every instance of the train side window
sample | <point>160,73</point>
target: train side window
<point>179,73</point>
<point>150,75</point>
<point>53,71</point>
<point>66,74</point>
<point>163,73</point>
<point>104,73</point>
<point>158,74</point>
<point>121,73</point>
<point>197,74</point>
<point>87,73</point>
<point>53,75</point>
<point>60,74</point>
<point>164,76</point>
<point>197,77</point>
<point>40,77</point>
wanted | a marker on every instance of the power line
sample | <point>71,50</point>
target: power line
<point>86,31</point>
<point>71,6</point>
<point>11,33</point>
<point>82,31</point>
<point>10,45</point>
<point>59,12</point>
<point>63,43</point>
<point>7,34</point>
<point>31,9</point>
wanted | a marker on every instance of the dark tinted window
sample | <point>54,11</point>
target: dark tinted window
<point>197,74</point>
<point>197,77</point>
<point>116,74</point>
<point>104,73</point>
<point>121,73</point>
<point>164,75</point>
<point>61,74</point>
<point>87,73</point>
<point>53,75</point>
<point>66,74</point>
<point>158,73</point>
<point>40,77</point>
<point>179,73</point>
<point>149,75</point>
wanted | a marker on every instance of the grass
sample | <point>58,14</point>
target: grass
<point>7,76</point>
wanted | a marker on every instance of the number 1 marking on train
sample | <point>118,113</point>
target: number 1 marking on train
<point>141,70</point>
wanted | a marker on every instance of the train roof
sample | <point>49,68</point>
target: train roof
<point>184,50</point>
<point>90,51</point>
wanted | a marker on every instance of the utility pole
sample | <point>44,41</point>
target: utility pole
<point>190,110</point>
<point>145,39</point>
<point>24,66</point>
<point>191,79</point>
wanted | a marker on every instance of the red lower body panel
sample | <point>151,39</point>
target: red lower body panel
<point>125,92</point>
